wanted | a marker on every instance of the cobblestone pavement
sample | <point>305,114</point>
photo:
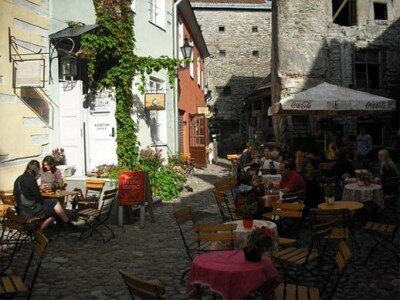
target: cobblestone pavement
<point>88,269</point>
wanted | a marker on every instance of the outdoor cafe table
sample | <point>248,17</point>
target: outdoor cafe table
<point>242,233</point>
<point>61,196</point>
<point>228,274</point>
<point>364,193</point>
<point>350,205</point>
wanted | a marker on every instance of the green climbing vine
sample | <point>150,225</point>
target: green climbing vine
<point>113,65</point>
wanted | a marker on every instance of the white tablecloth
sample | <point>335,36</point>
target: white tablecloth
<point>373,192</point>
<point>242,233</point>
<point>271,177</point>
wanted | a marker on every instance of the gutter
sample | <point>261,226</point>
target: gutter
<point>175,55</point>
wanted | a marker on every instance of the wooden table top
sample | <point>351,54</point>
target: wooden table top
<point>350,205</point>
<point>60,195</point>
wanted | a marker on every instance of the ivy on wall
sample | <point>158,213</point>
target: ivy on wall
<point>112,64</point>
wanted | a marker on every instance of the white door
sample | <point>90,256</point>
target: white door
<point>101,132</point>
<point>71,124</point>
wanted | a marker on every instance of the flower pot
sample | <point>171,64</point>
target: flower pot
<point>330,200</point>
<point>253,255</point>
<point>248,223</point>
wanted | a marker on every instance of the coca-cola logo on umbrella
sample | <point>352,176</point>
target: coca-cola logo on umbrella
<point>305,104</point>
<point>375,105</point>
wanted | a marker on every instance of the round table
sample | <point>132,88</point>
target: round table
<point>350,205</point>
<point>242,233</point>
<point>230,275</point>
<point>364,193</point>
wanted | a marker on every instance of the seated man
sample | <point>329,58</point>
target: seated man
<point>291,180</point>
<point>246,158</point>
<point>30,202</point>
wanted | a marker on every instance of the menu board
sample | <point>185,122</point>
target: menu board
<point>132,188</point>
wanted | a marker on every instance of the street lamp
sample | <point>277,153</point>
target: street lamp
<point>186,49</point>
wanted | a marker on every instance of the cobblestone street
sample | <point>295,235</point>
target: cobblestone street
<point>88,269</point>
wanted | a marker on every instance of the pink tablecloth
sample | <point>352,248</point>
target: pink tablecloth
<point>230,275</point>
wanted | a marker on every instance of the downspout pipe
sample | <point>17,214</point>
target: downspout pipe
<point>175,55</point>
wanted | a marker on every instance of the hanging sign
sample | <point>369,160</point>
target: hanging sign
<point>132,188</point>
<point>154,101</point>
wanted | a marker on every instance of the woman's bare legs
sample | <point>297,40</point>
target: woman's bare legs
<point>46,223</point>
<point>60,212</point>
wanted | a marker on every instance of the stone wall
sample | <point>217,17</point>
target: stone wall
<point>238,69</point>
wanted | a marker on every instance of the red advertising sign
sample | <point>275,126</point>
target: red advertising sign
<point>132,188</point>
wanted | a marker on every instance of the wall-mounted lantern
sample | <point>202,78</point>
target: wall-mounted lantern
<point>186,49</point>
<point>68,66</point>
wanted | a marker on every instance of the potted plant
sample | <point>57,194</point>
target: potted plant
<point>260,240</point>
<point>248,211</point>
<point>59,156</point>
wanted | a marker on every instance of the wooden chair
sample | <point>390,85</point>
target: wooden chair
<point>185,219</point>
<point>11,286</point>
<point>225,207</point>
<point>143,288</point>
<point>301,292</point>
<point>286,211</point>
<point>7,198</point>
<point>211,237</point>
<point>342,230</point>
<point>94,188</point>
<point>29,224</point>
<point>227,186</point>
<point>296,262</point>
<point>10,241</point>
<point>392,197</point>
<point>95,218</point>
<point>383,235</point>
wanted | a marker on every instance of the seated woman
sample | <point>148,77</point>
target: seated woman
<point>302,164</point>
<point>49,173</point>
<point>30,202</point>
<point>387,168</point>
<point>331,152</point>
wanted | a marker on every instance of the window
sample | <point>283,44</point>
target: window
<point>254,29</point>
<point>223,90</point>
<point>380,11</point>
<point>198,71</point>
<point>344,12</point>
<point>222,53</point>
<point>157,117</point>
<point>221,28</point>
<point>256,53</point>
<point>368,68</point>
<point>157,12</point>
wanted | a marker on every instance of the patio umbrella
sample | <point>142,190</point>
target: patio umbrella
<point>330,100</point>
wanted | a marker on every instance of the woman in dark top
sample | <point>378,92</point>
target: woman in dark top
<point>387,168</point>
<point>30,201</point>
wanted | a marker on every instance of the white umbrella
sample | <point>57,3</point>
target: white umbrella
<point>329,99</point>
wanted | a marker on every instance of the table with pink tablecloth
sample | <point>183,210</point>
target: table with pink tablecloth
<point>364,193</point>
<point>230,275</point>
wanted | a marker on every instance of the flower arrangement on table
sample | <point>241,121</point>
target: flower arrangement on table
<point>260,240</point>
<point>59,156</point>
<point>364,176</point>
